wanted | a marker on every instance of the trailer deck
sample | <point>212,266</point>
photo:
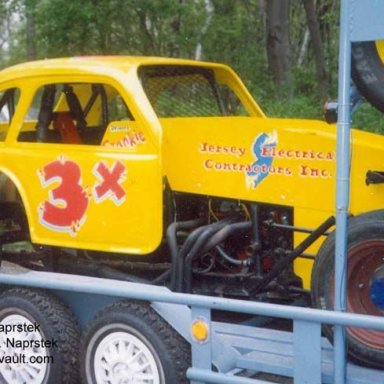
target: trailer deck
<point>231,349</point>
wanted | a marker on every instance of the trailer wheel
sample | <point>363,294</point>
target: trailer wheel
<point>130,343</point>
<point>31,318</point>
<point>365,258</point>
<point>368,71</point>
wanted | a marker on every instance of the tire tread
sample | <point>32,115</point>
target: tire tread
<point>177,348</point>
<point>62,321</point>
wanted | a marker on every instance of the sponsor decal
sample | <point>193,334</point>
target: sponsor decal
<point>118,128</point>
<point>261,167</point>
<point>265,150</point>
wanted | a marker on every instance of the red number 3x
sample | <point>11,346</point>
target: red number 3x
<point>68,202</point>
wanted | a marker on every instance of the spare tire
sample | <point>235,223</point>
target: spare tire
<point>368,71</point>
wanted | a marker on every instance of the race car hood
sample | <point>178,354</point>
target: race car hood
<point>280,161</point>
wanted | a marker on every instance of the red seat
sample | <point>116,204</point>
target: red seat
<point>68,131</point>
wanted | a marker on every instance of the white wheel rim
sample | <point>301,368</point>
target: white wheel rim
<point>122,358</point>
<point>33,367</point>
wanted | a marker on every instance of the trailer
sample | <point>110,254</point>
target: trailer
<point>221,352</point>
<point>135,332</point>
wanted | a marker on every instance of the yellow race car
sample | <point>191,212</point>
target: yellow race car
<point>166,171</point>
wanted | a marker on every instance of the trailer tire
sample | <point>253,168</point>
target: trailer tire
<point>46,318</point>
<point>125,328</point>
<point>365,250</point>
<point>368,71</point>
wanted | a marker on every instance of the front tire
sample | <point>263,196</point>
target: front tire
<point>365,256</point>
<point>129,342</point>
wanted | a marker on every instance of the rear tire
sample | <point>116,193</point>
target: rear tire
<point>131,343</point>
<point>365,256</point>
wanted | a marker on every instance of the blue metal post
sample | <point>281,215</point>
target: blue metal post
<point>342,189</point>
<point>306,353</point>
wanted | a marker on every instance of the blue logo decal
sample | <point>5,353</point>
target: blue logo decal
<point>262,148</point>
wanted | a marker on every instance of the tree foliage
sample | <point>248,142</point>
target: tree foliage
<point>284,50</point>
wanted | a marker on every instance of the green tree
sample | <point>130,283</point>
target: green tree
<point>270,43</point>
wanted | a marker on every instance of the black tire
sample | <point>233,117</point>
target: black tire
<point>368,72</point>
<point>377,215</point>
<point>365,250</point>
<point>54,323</point>
<point>165,354</point>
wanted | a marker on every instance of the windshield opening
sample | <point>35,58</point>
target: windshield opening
<point>188,91</point>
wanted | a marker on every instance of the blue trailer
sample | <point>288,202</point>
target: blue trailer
<point>222,352</point>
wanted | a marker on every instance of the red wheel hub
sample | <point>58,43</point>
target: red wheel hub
<point>363,260</point>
